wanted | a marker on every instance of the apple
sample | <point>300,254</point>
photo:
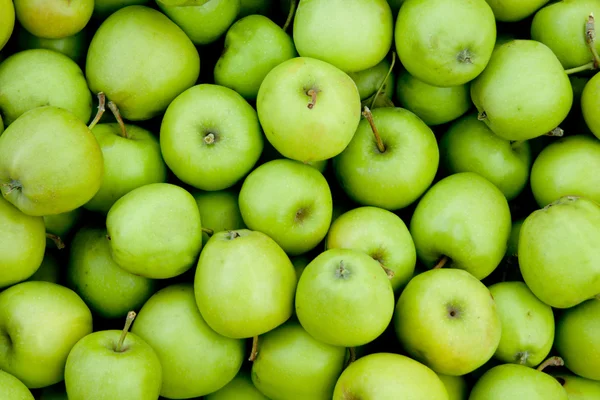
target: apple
<point>524,91</point>
<point>74,46</point>
<point>50,162</point>
<point>465,220</point>
<point>104,8</point>
<point>385,376</point>
<point>566,168</point>
<point>39,324</point>
<point>289,201</point>
<point>50,269</point>
<point>239,388</point>
<point>291,364</point>
<point>391,160</point>
<point>155,231</point>
<point>254,45</point>
<point>53,19</point>
<point>368,81</point>
<point>210,137</point>
<point>244,284</point>
<point>469,145</point>
<point>380,234</point>
<point>195,359</point>
<point>41,77</point>
<point>555,238</point>
<point>61,225</point>
<point>13,389</point>
<point>590,100</point>
<point>7,21</point>
<point>456,386</point>
<point>308,109</point>
<point>131,60</point>
<point>579,388</point>
<point>352,36</point>
<point>107,289</point>
<point>515,10</point>
<point>219,210</point>
<point>577,339</point>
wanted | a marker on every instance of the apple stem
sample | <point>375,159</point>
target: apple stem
<point>482,116</point>
<point>388,271</point>
<point>208,231</point>
<point>351,357</point>
<point>516,144</point>
<point>254,351</point>
<point>130,317</point>
<point>590,39</point>
<point>115,110</point>
<point>556,132</point>
<point>551,362</point>
<point>585,67</point>
<point>441,262</point>
<point>385,79</point>
<point>369,116</point>
<point>313,97</point>
<point>57,240</point>
<point>101,109</point>
<point>290,16</point>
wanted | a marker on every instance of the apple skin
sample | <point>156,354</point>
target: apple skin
<point>291,126</point>
<point>74,46</point>
<point>455,219</point>
<point>186,346</point>
<point>327,30</point>
<point>397,177</point>
<point>515,10</point>
<point>39,324</point>
<point>369,80</point>
<point>50,269</point>
<point>53,19</point>
<point>104,8</point>
<point>22,244</point>
<point>590,101</point>
<point>383,376</point>
<point>210,137</point>
<point>7,21</point>
<point>289,201</point>
<point>470,146</point>
<point>203,23</point>
<point>579,388</point>
<point>129,162</point>
<point>566,168</point>
<point>551,241</point>
<point>61,225</point>
<point>130,59</point>
<point>344,298</point>
<point>382,235</point>
<point>577,339</point>
<point>53,159</point>
<point>524,91</point>
<point>13,389</point>
<point>239,388</point>
<point>94,368</point>
<point>291,364</point>
<point>254,45</point>
<point>456,386</point>
<point>219,211</point>
<point>107,289</point>
<point>156,245</point>
<point>41,77</point>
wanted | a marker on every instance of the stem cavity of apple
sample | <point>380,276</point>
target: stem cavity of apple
<point>464,57</point>
<point>590,41</point>
<point>290,16</point>
<point>57,240</point>
<point>551,362</point>
<point>369,116</point>
<point>9,187</point>
<point>130,317</point>
<point>254,351</point>
<point>233,235</point>
<point>384,79</point>
<point>312,92</point>
<point>115,110</point>
<point>101,109</point>
<point>441,262</point>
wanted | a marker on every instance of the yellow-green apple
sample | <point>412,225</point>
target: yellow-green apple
<point>54,19</point>
<point>590,101</point>
<point>61,225</point>
<point>74,46</point>
<point>104,8</point>
<point>50,269</point>
<point>456,386</point>
<point>579,388</point>
<point>515,10</point>
<point>13,389</point>
<point>368,81</point>
<point>7,21</point>
<point>219,211</point>
<point>239,388</point>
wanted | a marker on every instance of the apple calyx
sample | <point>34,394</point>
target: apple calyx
<point>312,93</point>
<point>464,56</point>
<point>101,110</point>
<point>441,262</point>
<point>551,362</point>
<point>57,240</point>
<point>209,138</point>
<point>128,321</point>
<point>556,132</point>
<point>254,351</point>
<point>290,16</point>
<point>342,271</point>
<point>522,357</point>
<point>233,235</point>
<point>369,116</point>
<point>9,187</point>
<point>454,312</point>
<point>115,110</point>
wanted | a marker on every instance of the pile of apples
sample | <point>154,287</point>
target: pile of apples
<point>289,200</point>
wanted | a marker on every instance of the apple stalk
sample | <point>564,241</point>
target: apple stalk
<point>115,110</point>
<point>551,362</point>
<point>101,110</point>
<point>254,351</point>
<point>441,262</point>
<point>57,240</point>
<point>590,41</point>
<point>384,79</point>
<point>128,321</point>
<point>208,231</point>
<point>290,16</point>
<point>369,116</point>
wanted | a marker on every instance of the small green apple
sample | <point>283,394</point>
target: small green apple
<point>61,225</point>
<point>289,201</point>
<point>239,388</point>
<point>579,388</point>
<point>54,19</point>
<point>219,211</point>
<point>590,101</point>
<point>50,269</point>
<point>13,389</point>
<point>104,8</point>
<point>195,359</point>
<point>74,46</point>
<point>456,386</point>
<point>515,10</point>
<point>7,21</point>
<point>369,80</point>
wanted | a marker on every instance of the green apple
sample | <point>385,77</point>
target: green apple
<point>579,388</point>
<point>210,137</point>
<point>527,324</point>
<point>590,101</point>
<point>13,389</point>
<point>289,201</point>
<point>344,298</point>
<point>352,36</point>
<point>368,81</point>
<point>39,324</point>
<point>104,8</point>
<point>380,234</point>
<point>445,42</point>
<point>50,162</point>
<point>563,234</point>
<point>385,376</point>
<point>195,359</point>
<point>41,77</point>
<point>512,249</point>
<point>308,108</point>
<point>515,10</point>
<point>22,244</point>
<point>254,45</point>
<point>219,210</point>
<point>567,167</point>
<point>244,284</point>
<point>131,59</point>
<point>291,364</point>
<point>239,388</point>
<point>74,46</point>
<point>577,339</point>
<point>54,19</point>
<point>50,269</point>
<point>7,21</point>
<point>61,225</point>
<point>1,121</point>
<point>447,319</point>
<point>155,231</point>
<point>456,386</point>
<point>524,91</point>
<point>249,7</point>
<point>107,289</point>
<point>389,163</point>
<point>111,364</point>
<point>463,219</point>
<point>132,158</point>
<point>470,146</point>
